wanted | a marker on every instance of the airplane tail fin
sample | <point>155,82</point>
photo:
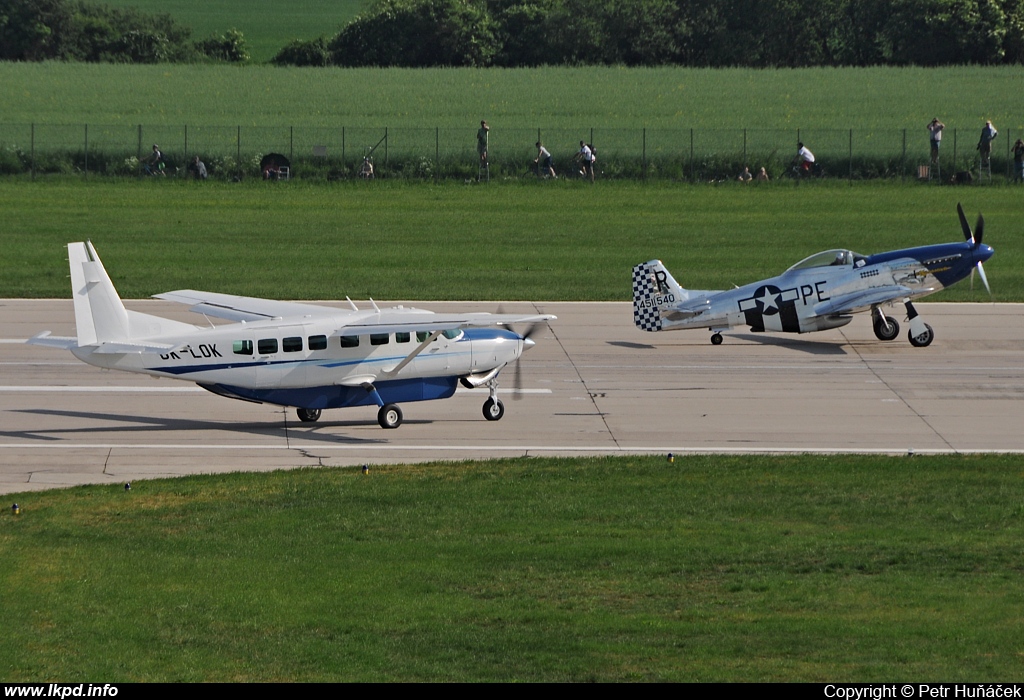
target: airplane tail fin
<point>99,314</point>
<point>654,289</point>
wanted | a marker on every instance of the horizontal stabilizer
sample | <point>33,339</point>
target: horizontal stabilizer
<point>133,348</point>
<point>53,341</point>
<point>859,300</point>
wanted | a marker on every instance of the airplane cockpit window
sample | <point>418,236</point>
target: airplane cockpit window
<point>829,258</point>
<point>452,333</point>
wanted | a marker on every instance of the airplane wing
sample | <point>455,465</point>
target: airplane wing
<point>856,301</point>
<point>237,308</point>
<point>409,320</point>
<point>681,312</point>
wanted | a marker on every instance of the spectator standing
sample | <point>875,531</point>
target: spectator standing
<point>988,135</point>
<point>935,128</point>
<point>481,142</point>
<point>1018,161</point>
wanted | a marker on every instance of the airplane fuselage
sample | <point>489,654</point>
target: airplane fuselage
<point>304,365</point>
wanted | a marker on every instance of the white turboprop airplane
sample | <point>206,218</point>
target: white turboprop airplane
<point>289,354</point>
<point>817,293</point>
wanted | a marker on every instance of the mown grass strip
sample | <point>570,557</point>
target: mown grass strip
<point>711,568</point>
<point>520,239</point>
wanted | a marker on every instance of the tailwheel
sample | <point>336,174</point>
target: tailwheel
<point>494,409</point>
<point>922,340</point>
<point>716,339</point>
<point>308,415</point>
<point>389,416</point>
<point>886,328</point>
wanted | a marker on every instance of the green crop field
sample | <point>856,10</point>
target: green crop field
<point>267,24</point>
<point>871,99</point>
<point>713,568</point>
<point>517,240</point>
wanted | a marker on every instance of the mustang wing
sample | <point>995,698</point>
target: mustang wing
<point>236,308</point>
<point>862,299</point>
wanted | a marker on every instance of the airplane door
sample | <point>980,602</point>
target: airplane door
<point>434,360</point>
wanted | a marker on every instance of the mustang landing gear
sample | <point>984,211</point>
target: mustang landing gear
<point>886,327</point>
<point>920,335</point>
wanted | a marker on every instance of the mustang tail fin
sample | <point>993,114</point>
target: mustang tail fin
<point>99,314</point>
<point>654,291</point>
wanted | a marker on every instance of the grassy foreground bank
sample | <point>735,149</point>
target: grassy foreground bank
<point>712,568</point>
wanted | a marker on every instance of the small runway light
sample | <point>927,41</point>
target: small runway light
<point>15,509</point>
<point>671,457</point>
<point>366,469</point>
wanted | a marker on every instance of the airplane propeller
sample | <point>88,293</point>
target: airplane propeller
<point>517,377</point>
<point>974,238</point>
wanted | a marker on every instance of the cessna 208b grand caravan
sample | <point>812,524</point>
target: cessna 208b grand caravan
<point>818,293</point>
<point>290,354</point>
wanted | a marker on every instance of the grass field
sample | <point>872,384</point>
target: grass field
<point>870,99</point>
<point>267,24</point>
<point>709,569</point>
<point>517,240</point>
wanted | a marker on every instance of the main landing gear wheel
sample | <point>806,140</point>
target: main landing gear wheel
<point>923,340</point>
<point>308,415</point>
<point>494,409</point>
<point>887,328</point>
<point>389,416</point>
<point>716,339</point>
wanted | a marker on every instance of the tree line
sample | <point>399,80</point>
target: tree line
<point>525,33</point>
<point>700,33</point>
<point>40,30</point>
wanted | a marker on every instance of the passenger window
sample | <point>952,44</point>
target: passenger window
<point>242,347</point>
<point>402,337</point>
<point>292,344</point>
<point>318,342</point>
<point>267,346</point>
<point>422,335</point>
<point>379,338</point>
<point>350,341</point>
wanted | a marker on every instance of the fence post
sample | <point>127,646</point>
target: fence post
<point>238,149</point>
<point>291,143</point>
<point>86,151</point>
<point>903,164</point>
<point>343,164</point>
<point>138,152</point>
<point>693,172</point>
<point>643,157</point>
<point>32,164</point>
<point>186,144</point>
<point>954,153</point>
<point>851,157</point>
<point>385,147</point>
<point>744,148</point>
<point>437,152</point>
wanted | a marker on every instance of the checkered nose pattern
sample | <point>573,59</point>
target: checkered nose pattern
<point>645,314</point>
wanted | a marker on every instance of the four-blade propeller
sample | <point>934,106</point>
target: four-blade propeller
<point>974,238</point>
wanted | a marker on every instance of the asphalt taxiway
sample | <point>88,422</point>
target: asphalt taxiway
<point>593,385</point>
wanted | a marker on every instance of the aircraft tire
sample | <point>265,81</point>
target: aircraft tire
<point>389,416</point>
<point>494,409</point>
<point>882,333</point>
<point>308,415</point>
<point>716,339</point>
<point>923,340</point>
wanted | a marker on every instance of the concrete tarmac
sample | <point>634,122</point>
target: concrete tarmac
<point>593,385</point>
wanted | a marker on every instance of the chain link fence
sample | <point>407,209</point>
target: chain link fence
<point>692,155</point>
